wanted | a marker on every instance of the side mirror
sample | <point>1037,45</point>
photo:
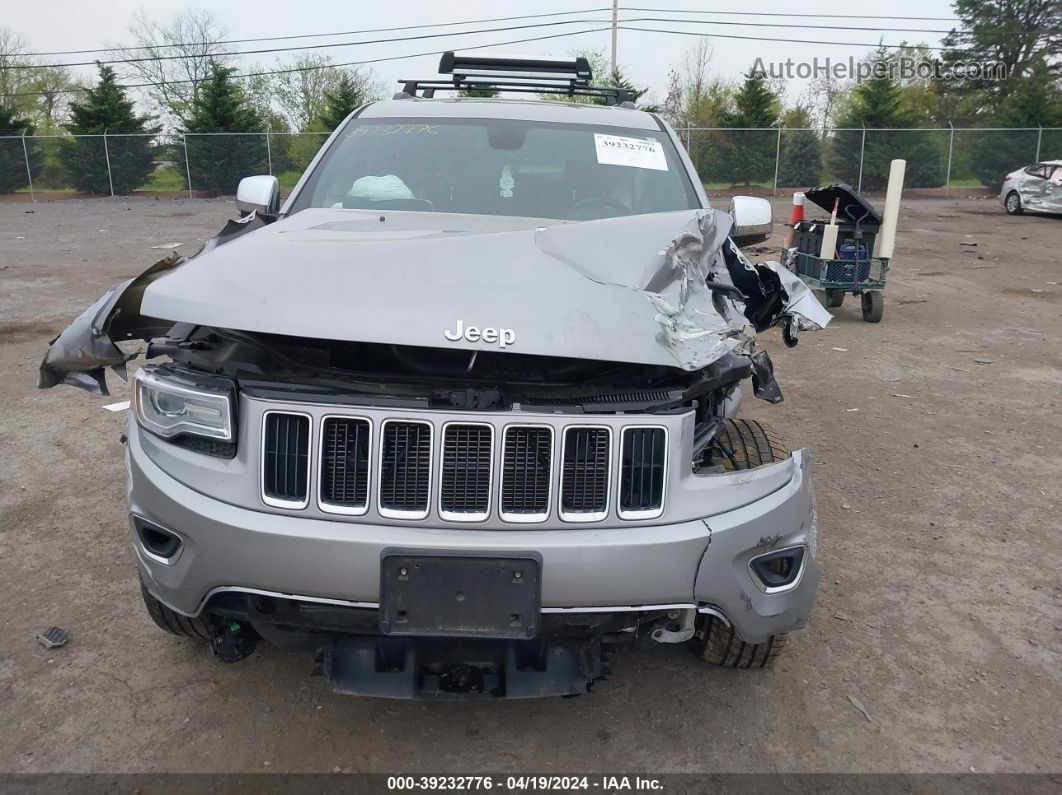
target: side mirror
<point>752,220</point>
<point>261,194</point>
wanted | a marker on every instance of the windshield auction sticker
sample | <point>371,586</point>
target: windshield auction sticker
<point>615,150</point>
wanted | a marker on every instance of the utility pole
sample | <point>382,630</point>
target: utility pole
<point>615,14</point>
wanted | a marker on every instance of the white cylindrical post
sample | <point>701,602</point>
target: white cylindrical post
<point>29,173</point>
<point>107,157</point>
<point>889,218</point>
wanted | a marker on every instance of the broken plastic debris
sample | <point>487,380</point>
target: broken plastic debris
<point>897,394</point>
<point>120,406</point>
<point>842,350</point>
<point>53,638</point>
<point>167,245</point>
<point>859,705</point>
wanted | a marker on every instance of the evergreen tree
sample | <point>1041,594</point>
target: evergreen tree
<point>481,93</point>
<point>801,155</point>
<point>12,156</point>
<point>218,162</point>
<point>107,109</point>
<point>752,152</point>
<point>341,101</point>
<point>1036,102</point>
<point>603,76</point>
<point>1014,33</point>
<point>877,104</point>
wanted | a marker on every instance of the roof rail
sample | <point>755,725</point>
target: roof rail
<point>567,76</point>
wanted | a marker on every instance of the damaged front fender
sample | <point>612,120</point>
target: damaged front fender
<point>711,300</point>
<point>81,353</point>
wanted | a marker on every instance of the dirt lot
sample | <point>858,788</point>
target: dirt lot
<point>936,440</point>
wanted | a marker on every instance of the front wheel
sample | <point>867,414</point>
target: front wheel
<point>1013,203</point>
<point>834,298</point>
<point>718,644</point>
<point>873,306</point>
<point>172,622</point>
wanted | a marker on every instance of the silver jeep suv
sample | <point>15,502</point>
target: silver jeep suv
<point>460,415</point>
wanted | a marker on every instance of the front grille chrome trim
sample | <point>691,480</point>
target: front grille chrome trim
<point>654,512</point>
<point>343,510</point>
<point>276,502</point>
<point>465,516</point>
<point>394,513</point>
<point>585,516</point>
<point>529,518</point>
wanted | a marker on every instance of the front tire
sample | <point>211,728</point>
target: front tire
<point>172,622</point>
<point>746,444</point>
<point>834,298</point>
<point>1012,204</point>
<point>718,644</point>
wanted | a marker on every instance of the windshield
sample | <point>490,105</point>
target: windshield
<point>499,167</point>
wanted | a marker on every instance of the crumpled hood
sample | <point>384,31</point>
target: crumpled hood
<point>666,289</point>
<point>579,290</point>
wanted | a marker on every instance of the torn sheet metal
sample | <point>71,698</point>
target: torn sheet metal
<point>81,353</point>
<point>718,300</point>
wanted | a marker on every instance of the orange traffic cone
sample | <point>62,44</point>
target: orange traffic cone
<point>798,215</point>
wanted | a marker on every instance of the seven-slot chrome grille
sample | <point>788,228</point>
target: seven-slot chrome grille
<point>464,470</point>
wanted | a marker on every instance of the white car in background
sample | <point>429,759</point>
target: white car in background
<point>1036,188</point>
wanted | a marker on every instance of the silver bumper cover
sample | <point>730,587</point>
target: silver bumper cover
<point>702,562</point>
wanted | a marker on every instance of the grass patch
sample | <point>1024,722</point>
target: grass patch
<point>287,179</point>
<point>165,179</point>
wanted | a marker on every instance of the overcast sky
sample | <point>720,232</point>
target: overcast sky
<point>646,57</point>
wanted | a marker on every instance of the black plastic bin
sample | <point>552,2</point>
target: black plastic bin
<point>859,223</point>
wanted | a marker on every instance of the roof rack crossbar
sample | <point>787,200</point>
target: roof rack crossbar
<point>517,75</point>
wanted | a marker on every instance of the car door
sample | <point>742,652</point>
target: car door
<point>1053,191</point>
<point>1033,186</point>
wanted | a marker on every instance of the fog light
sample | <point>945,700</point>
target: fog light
<point>777,570</point>
<point>161,544</point>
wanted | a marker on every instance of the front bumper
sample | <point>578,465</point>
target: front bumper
<point>694,563</point>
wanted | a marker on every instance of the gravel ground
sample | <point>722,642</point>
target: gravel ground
<point>935,438</point>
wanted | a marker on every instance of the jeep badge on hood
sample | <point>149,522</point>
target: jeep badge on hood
<point>503,336</point>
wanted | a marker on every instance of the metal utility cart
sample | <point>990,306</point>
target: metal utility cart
<point>851,268</point>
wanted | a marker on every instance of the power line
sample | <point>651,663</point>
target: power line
<point>785,14</point>
<point>78,89</point>
<point>478,22</point>
<point>423,36</point>
<point>788,39</point>
<point>782,25</point>
<point>311,35</point>
<point>419,37</point>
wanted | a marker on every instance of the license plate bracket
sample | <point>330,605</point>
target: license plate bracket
<point>461,594</point>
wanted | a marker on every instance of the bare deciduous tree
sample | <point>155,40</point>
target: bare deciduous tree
<point>196,37</point>
<point>302,95</point>
<point>14,79</point>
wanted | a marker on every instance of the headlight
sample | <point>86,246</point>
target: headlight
<point>170,405</point>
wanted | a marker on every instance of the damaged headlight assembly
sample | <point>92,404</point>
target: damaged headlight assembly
<point>174,406</point>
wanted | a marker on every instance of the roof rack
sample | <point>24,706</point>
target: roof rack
<point>568,76</point>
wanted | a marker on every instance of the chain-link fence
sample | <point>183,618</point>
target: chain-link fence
<point>198,164</point>
<point>774,159</point>
<point>784,158</point>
